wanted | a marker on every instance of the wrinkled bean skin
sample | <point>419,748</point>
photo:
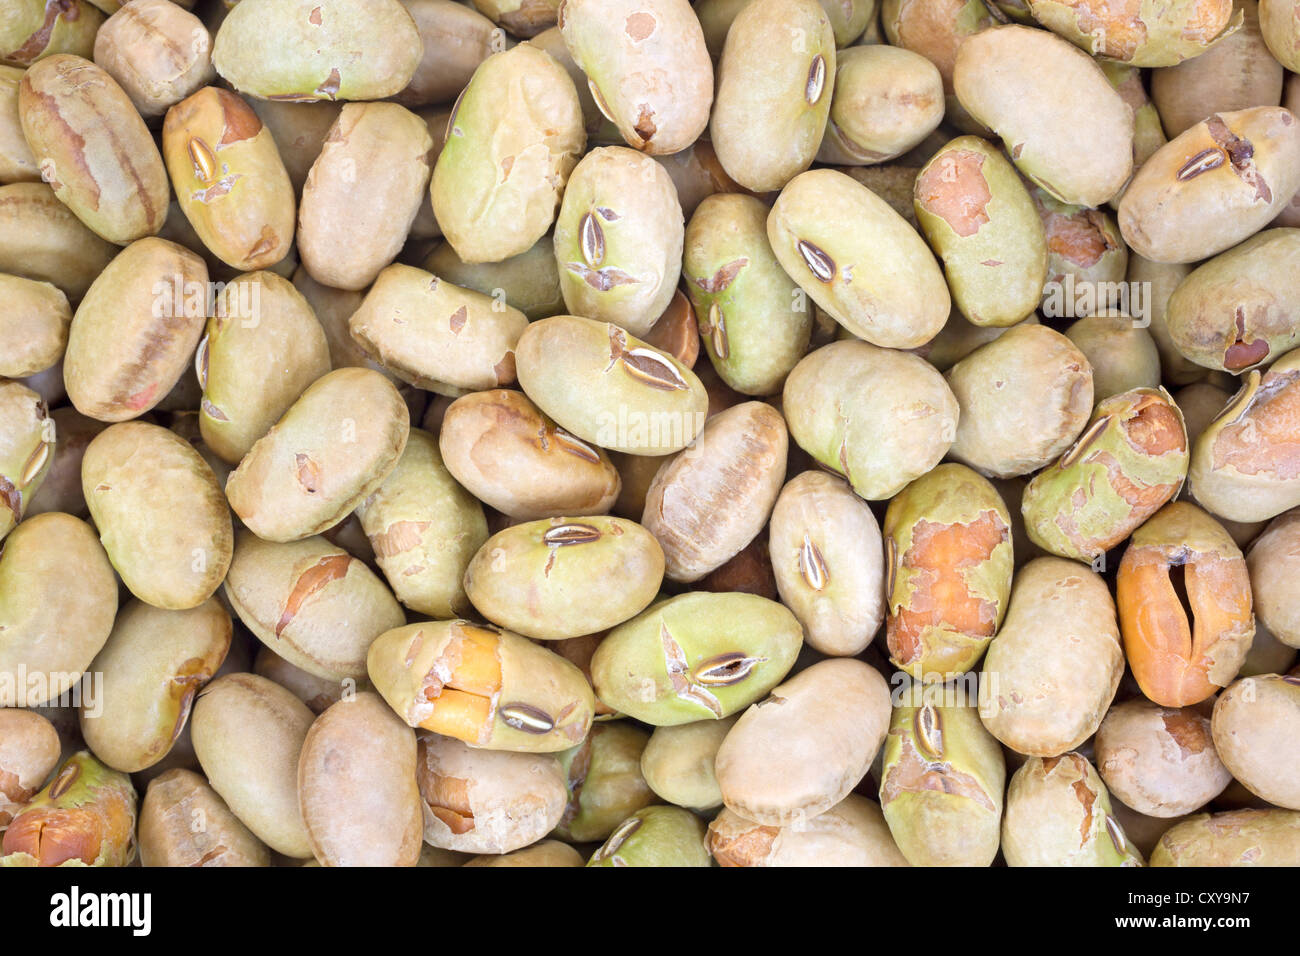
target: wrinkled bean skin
<point>134,333</point>
<point>497,124</point>
<point>706,505</point>
<point>1236,838</point>
<point>159,53</point>
<point>168,836</point>
<point>93,148</point>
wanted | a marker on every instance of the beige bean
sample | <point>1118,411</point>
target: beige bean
<point>357,786</point>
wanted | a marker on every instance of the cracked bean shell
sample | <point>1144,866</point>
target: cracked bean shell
<point>1274,563</point>
<point>773,94</point>
<point>310,602</point>
<point>802,749</point>
<point>1236,838</point>
<point>29,752</point>
<point>436,335</point>
<point>248,735</point>
<point>877,417</point>
<point>1129,461</point>
<point>1054,666</point>
<point>93,148</point>
<point>1084,251</point>
<point>1244,465</point>
<point>85,816</point>
<point>886,101</point>
<point>1059,814</point>
<point>28,440</point>
<point>158,51</point>
<point>858,259</point>
<point>48,629</point>
<point>648,68</point>
<point>491,688</point>
<point>1256,729</point>
<point>708,503</point>
<point>229,179</point>
<point>363,193</point>
<point>332,448</point>
<point>1140,34</point>
<point>305,50</point>
<point>1213,186</point>
<point>610,388</point>
<point>514,458</point>
<point>698,656</point>
<point>827,556</point>
<point>1242,308</point>
<point>604,779</point>
<point>425,529</point>
<point>1064,126</point>
<point>618,239</point>
<point>754,321</point>
<point>677,762</point>
<point>486,801</point>
<point>162,518</point>
<point>534,578</point>
<point>357,786</point>
<point>851,833</point>
<point>41,239</point>
<point>173,803</point>
<point>942,782</point>
<point>1158,760</point>
<point>655,836</point>
<point>512,141</point>
<point>33,29</point>
<point>948,559</point>
<point>979,219</point>
<point>1184,599</point>
<point>154,664</point>
<point>135,332</point>
<point>263,348</point>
